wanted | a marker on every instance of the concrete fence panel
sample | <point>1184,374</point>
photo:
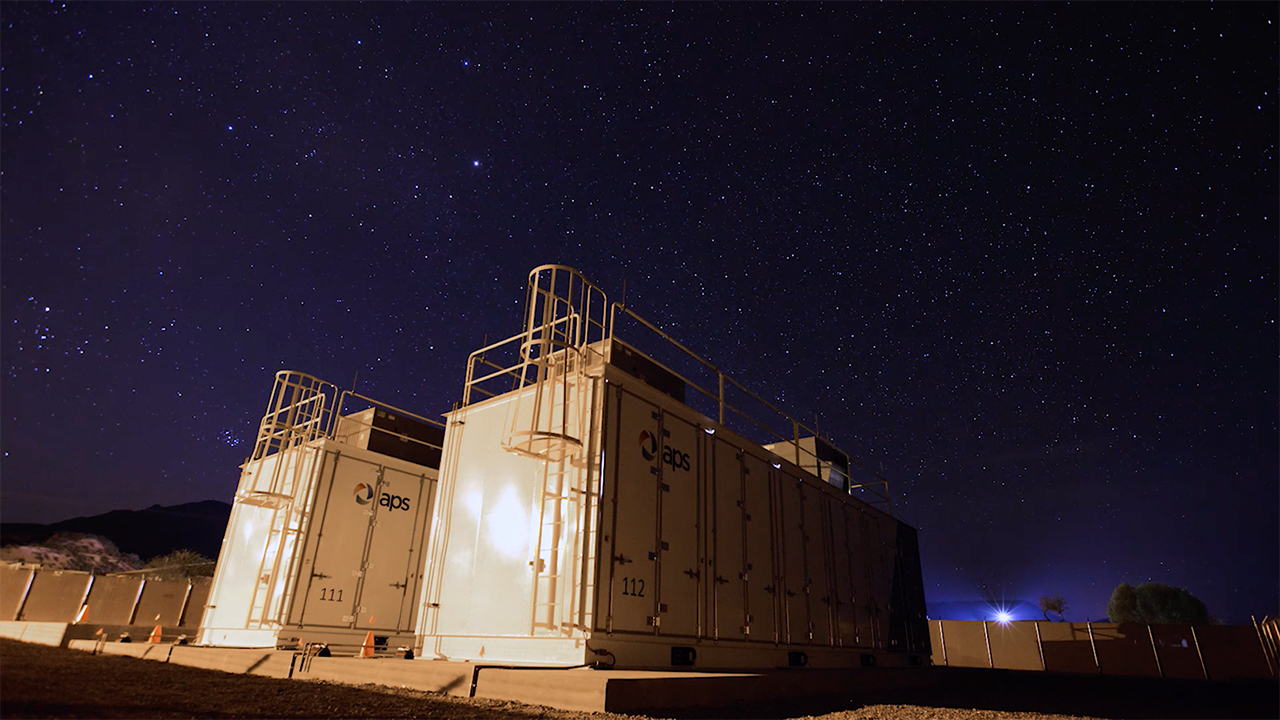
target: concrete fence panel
<point>55,596</point>
<point>966,644</point>
<point>13,589</point>
<point>1125,649</point>
<point>1014,646</point>
<point>1176,646</point>
<point>1232,652</point>
<point>161,603</point>
<point>1067,647</point>
<point>112,599</point>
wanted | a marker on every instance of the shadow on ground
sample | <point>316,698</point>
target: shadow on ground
<point>1038,692</point>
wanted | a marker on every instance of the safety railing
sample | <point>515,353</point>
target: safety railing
<point>304,408</point>
<point>299,411</point>
<point>565,329</point>
<point>766,423</point>
<point>560,332</point>
<point>347,423</point>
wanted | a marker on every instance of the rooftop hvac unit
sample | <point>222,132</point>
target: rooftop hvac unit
<point>324,542</point>
<point>599,508</point>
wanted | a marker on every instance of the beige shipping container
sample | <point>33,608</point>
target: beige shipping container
<point>325,539</point>
<point>590,516</point>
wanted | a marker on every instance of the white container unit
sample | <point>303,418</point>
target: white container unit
<point>590,516</point>
<point>325,538</point>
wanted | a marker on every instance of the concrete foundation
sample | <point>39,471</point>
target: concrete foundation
<point>62,634</point>
<point>581,689</point>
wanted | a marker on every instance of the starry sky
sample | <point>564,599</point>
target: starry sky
<point>1023,256</point>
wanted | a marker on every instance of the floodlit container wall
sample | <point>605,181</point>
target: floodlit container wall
<point>249,588</point>
<point>509,554</point>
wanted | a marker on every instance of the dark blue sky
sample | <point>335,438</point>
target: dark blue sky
<point>1025,256</point>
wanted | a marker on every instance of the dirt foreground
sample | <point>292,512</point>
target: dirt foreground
<point>38,681</point>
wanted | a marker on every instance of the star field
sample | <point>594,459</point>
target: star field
<point>1024,257</point>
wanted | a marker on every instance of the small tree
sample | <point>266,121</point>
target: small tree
<point>1123,606</point>
<point>1054,604</point>
<point>179,565</point>
<point>1156,604</point>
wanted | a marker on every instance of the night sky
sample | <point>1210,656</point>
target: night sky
<point>1024,256</point>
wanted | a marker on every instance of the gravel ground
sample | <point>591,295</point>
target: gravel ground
<point>48,682</point>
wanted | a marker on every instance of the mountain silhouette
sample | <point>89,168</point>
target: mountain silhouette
<point>148,533</point>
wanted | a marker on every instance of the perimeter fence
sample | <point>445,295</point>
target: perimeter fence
<point>1208,652</point>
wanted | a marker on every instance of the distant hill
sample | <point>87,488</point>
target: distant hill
<point>146,533</point>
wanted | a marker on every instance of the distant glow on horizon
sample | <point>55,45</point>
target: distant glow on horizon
<point>1003,617</point>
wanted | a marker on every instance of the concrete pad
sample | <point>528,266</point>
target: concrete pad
<point>253,661</point>
<point>578,689</point>
<point>39,633</point>
<point>452,678</point>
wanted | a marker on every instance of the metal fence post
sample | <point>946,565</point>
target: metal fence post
<point>1266,650</point>
<point>1040,644</point>
<point>943,640</point>
<point>990,661</point>
<point>26,591</point>
<point>1094,645</point>
<point>1203,668</point>
<point>1154,651</point>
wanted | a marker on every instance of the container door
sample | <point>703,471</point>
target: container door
<point>795,574</point>
<point>679,551</point>
<point>727,570</point>
<point>843,566</point>
<point>861,575</point>
<point>349,500</point>
<point>877,596</point>
<point>391,571</point>
<point>633,593</point>
<point>816,550</point>
<point>758,525</point>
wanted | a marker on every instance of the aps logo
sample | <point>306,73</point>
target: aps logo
<point>364,496</point>
<point>364,493</point>
<point>672,457</point>
<point>648,445</point>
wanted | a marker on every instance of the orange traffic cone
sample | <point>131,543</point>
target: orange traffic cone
<point>366,650</point>
<point>155,635</point>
